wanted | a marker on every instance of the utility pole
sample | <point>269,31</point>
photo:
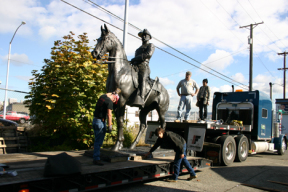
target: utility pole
<point>250,41</point>
<point>284,76</point>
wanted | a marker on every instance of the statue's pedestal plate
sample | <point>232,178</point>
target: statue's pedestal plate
<point>126,154</point>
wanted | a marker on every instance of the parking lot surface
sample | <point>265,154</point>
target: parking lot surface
<point>258,171</point>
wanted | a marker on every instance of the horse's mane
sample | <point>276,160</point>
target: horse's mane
<point>118,41</point>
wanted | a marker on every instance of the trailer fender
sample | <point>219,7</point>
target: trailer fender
<point>278,141</point>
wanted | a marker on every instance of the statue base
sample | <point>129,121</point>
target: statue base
<point>126,154</point>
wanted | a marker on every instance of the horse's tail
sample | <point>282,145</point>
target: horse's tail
<point>163,97</point>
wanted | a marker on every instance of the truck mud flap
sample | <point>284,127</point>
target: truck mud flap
<point>211,151</point>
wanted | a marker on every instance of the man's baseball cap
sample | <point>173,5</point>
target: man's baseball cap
<point>189,73</point>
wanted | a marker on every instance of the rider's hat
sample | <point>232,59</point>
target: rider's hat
<point>145,31</point>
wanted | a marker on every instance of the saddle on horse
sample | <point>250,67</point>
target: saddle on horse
<point>151,85</point>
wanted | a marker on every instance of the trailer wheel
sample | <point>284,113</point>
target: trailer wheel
<point>228,149</point>
<point>22,121</point>
<point>242,148</point>
<point>283,147</point>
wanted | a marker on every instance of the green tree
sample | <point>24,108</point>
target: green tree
<point>64,94</point>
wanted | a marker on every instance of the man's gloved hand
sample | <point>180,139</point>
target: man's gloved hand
<point>109,129</point>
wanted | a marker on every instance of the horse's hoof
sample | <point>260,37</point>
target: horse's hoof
<point>115,147</point>
<point>118,146</point>
<point>132,146</point>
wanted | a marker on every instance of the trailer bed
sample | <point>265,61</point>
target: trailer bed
<point>30,169</point>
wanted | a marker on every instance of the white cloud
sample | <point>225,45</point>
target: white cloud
<point>47,31</point>
<point>239,77</point>
<point>174,99</point>
<point>180,28</point>
<point>218,60</point>
<point>261,83</point>
<point>17,59</point>
<point>165,81</point>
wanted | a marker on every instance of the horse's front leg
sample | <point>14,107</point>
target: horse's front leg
<point>120,121</point>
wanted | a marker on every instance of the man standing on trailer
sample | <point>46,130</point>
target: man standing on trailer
<point>174,141</point>
<point>203,99</point>
<point>187,85</point>
<point>103,109</point>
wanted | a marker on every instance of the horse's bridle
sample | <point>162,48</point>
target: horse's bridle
<point>107,38</point>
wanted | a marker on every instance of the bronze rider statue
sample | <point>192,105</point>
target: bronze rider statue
<point>141,61</point>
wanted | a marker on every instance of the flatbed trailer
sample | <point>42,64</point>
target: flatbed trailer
<point>30,169</point>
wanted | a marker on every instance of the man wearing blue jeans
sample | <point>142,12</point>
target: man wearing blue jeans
<point>103,109</point>
<point>173,141</point>
<point>187,85</point>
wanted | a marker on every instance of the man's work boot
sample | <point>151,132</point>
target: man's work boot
<point>97,162</point>
<point>191,177</point>
<point>171,180</point>
<point>177,121</point>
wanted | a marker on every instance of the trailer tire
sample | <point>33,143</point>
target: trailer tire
<point>228,149</point>
<point>242,148</point>
<point>281,151</point>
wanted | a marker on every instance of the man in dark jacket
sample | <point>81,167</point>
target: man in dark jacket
<point>203,99</point>
<point>173,141</point>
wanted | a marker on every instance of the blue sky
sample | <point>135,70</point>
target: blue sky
<point>207,31</point>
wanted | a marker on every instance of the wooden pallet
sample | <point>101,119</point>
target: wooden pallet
<point>15,139</point>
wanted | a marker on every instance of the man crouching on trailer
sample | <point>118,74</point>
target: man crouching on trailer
<point>176,142</point>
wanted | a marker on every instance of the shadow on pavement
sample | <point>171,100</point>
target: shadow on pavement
<point>256,175</point>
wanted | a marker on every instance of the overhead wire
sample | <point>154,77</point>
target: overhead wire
<point>239,25</point>
<point>259,26</point>
<point>211,61</point>
<point>115,16</point>
<point>265,23</point>
<point>221,21</point>
<point>245,86</point>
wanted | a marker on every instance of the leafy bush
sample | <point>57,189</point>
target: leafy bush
<point>64,94</point>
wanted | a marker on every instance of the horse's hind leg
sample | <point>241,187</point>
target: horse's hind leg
<point>161,114</point>
<point>143,125</point>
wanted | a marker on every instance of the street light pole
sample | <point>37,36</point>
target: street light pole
<point>7,74</point>
<point>125,31</point>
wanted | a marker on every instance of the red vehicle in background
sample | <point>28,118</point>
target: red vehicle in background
<point>16,116</point>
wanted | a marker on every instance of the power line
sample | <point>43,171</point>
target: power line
<point>221,21</point>
<point>239,25</point>
<point>259,27</point>
<point>115,16</point>
<point>163,49</point>
<point>211,61</point>
<point>265,23</point>
<point>234,21</point>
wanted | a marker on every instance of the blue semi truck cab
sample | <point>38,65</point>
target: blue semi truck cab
<point>242,123</point>
<point>246,121</point>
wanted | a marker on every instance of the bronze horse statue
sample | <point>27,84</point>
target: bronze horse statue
<point>121,76</point>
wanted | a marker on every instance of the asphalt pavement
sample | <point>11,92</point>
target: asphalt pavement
<point>258,171</point>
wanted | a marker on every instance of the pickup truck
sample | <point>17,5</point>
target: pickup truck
<point>15,116</point>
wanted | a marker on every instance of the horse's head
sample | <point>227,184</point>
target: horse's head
<point>104,43</point>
